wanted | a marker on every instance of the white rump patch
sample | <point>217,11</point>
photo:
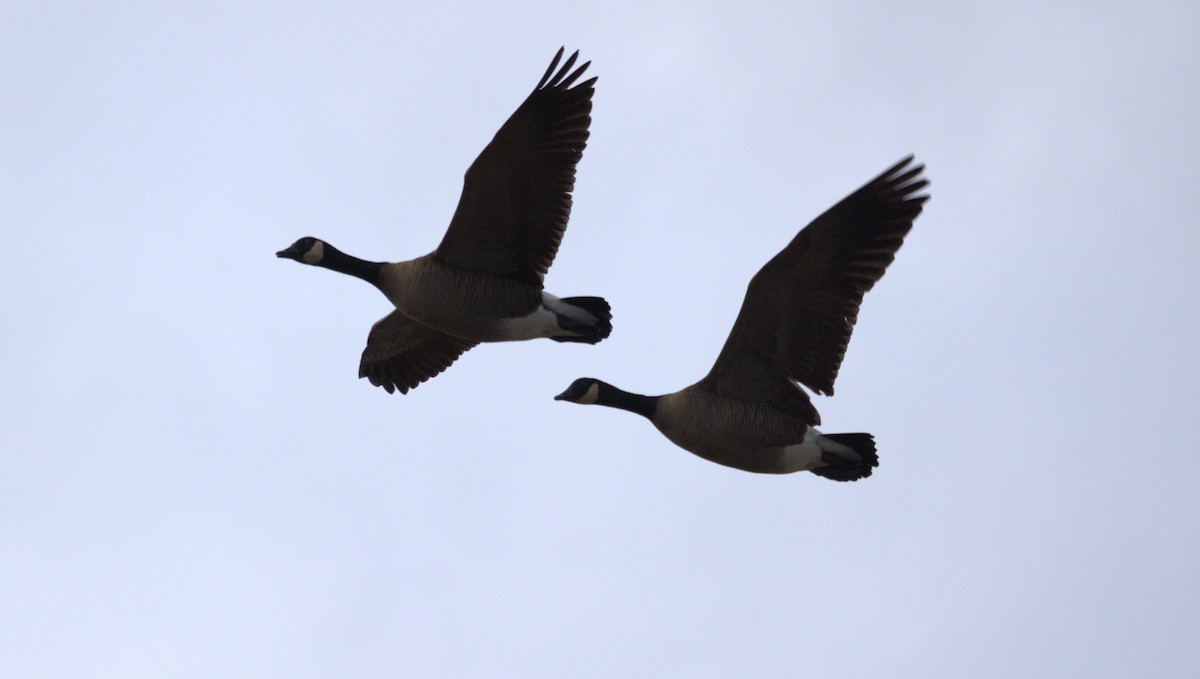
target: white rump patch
<point>543,322</point>
<point>562,308</point>
<point>806,455</point>
<point>315,254</point>
<point>540,323</point>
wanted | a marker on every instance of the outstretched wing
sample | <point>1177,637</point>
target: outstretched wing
<point>517,194</point>
<point>402,353</point>
<point>800,308</point>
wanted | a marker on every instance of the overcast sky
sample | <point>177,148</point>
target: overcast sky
<point>194,483</point>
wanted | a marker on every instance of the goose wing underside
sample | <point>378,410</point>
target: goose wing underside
<point>516,196</point>
<point>801,307</point>
<point>402,353</point>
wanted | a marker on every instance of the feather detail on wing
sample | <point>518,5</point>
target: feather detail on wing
<point>402,353</point>
<point>801,307</point>
<point>516,196</point>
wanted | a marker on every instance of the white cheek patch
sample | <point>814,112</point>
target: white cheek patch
<point>591,395</point>
<point>315,254</point>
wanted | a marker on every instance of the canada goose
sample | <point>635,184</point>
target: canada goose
<point>748,412</point>
<point>483,283</point>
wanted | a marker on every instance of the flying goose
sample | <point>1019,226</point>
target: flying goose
<point>749,412</point>
<point>483,283</point>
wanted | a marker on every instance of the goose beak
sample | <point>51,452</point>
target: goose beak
<point>562,396</point>
<point>289,253</point>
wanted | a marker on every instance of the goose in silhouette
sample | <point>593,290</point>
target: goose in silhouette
<point>800,308</point>
<point>483,283</point>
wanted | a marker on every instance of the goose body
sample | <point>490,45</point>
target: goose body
<point>743,434</point>
<point>484,282</point>
<point>749,412</point>
<point>472,304</point>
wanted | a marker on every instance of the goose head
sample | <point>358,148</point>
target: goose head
<point>307,250</point>
<point>591,391</point>
<point>584,390</point>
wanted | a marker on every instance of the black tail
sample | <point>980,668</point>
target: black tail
<point>590,331</point>
<point>845,468</point>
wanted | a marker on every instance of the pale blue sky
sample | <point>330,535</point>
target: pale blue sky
<point>193,483</point>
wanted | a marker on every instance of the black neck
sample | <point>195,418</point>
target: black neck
<point>635,403</point>
<point>339,261</point>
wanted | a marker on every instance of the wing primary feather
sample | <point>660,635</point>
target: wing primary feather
<point>556,81</point>
<point>575,76</point>
<point>550,69</point>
